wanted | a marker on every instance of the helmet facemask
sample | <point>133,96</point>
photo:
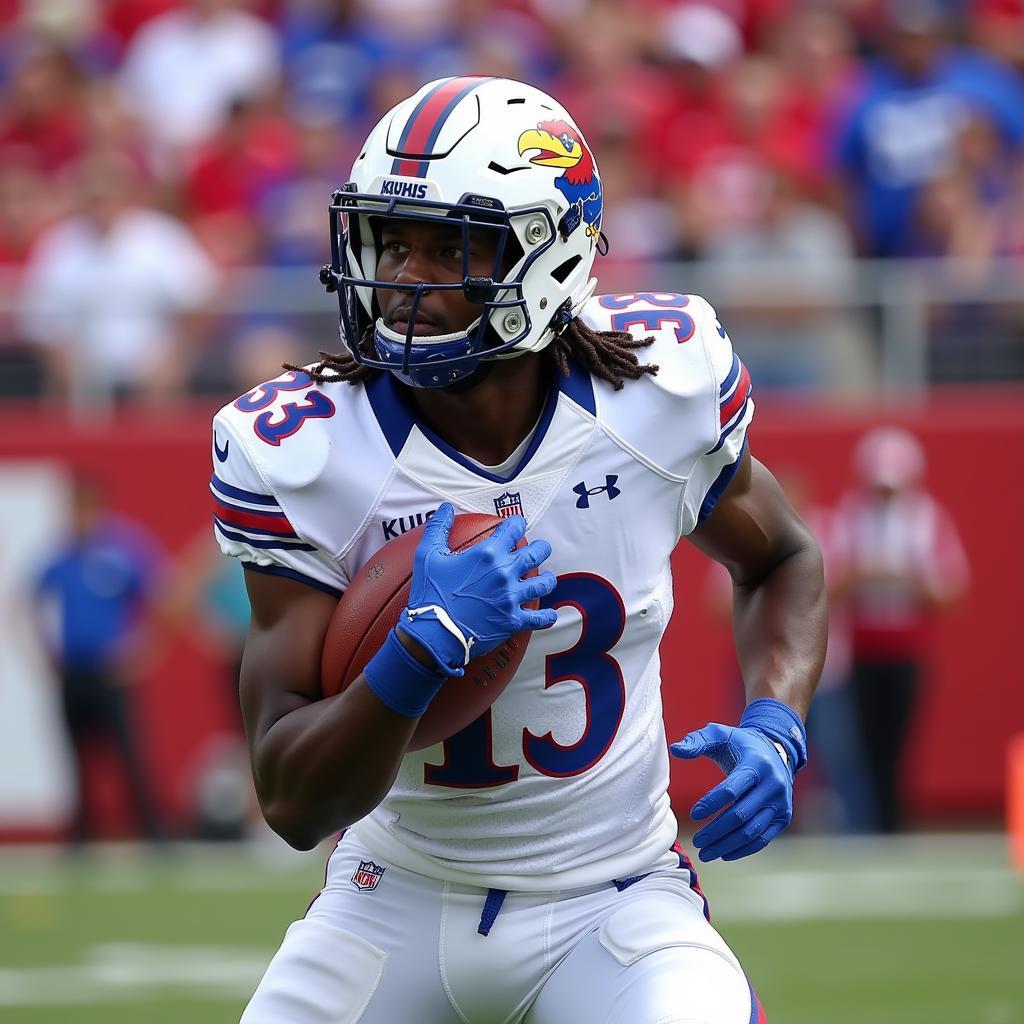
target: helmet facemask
<point>431,360</point>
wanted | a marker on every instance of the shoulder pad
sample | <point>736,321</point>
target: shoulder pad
<point>310,453</point>
<point>689,419</point>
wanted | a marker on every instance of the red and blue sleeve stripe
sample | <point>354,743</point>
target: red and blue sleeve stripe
<point>264,543</point>
<point>273,523</point>
<point>263,526</point>
<point>733,398</point>
<point>226,490</point>
<point>426,121</point>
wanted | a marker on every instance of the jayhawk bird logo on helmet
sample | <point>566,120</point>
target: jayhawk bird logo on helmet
<point>559,145</point>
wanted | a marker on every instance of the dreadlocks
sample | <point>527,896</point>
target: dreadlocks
<point>609,355</point>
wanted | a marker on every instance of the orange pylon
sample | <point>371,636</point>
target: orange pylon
<point>1015,799</point>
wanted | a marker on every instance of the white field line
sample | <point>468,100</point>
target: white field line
<point>798,895</point>
<point>115,972</point>
<point>818,895</point>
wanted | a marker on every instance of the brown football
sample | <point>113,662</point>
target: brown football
<point>369,609</point>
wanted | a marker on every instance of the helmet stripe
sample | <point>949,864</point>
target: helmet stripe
<point>426,121</point>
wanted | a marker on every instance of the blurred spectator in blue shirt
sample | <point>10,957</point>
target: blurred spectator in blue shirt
<point>968,218</point>
<point>329,61</point>
<point>334,51</point>
<point>903,133</point>
<point>94,606</point>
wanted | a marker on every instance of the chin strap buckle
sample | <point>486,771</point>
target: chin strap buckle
<point>562,318</point>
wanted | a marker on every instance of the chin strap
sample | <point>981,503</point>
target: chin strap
<point>566,313</point>
<point>423,339</point>
<point>585,296</point>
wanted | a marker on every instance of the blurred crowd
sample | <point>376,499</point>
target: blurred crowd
<point>151,149</point>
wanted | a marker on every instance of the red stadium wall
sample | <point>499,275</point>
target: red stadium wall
<point>157,469</point>
<point>973,698</point>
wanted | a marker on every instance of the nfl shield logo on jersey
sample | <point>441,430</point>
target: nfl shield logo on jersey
<point>367,875</point>
<point>508,504</point>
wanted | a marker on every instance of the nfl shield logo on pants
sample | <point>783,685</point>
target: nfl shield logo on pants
<point>508,504</point>
<point>367,875</point>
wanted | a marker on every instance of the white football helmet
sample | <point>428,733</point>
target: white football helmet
<point>486,153</point>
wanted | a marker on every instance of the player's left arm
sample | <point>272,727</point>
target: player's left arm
<point>779,626</point>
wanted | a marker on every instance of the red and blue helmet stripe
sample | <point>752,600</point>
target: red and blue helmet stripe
<point>421,131</point>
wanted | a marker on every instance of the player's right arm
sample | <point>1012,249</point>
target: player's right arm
<point>321,764</point>
<point>318,764</point>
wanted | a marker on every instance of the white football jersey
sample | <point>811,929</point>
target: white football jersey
<point>563,783</point>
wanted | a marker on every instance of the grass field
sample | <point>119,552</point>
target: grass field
<point>927,930</point>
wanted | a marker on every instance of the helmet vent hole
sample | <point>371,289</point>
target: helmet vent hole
<point>492,166</point>
<point>518,99</point>
<point>563,270</point>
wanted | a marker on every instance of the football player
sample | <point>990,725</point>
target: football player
<point>527,868</point>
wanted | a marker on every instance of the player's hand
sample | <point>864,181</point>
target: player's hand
<point>757,790</point>
<point>465,603</point>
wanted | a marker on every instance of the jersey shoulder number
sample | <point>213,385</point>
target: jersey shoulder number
<point>693,426</point>
<point>280,407</point>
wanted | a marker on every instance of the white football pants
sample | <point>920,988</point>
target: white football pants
<point>407,949</point>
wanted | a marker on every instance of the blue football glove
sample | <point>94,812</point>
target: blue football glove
<point>760,758</point>
<point>466,603</point>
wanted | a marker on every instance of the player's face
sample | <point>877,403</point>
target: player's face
<point>420,253</point>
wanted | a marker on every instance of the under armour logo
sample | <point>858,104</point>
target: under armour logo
<point>585,493</point>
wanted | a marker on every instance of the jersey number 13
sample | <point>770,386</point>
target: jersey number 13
<point>468,755</point>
